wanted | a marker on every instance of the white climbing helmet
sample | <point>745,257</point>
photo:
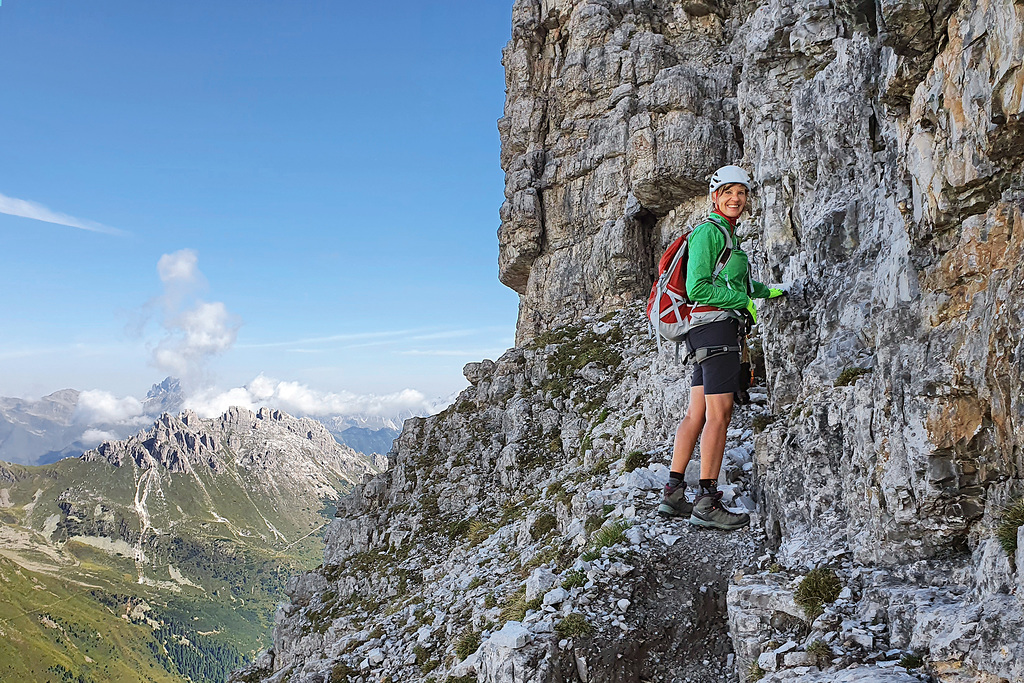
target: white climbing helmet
<point>728,175</point>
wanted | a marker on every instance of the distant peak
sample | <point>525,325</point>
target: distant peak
<point>63,395</point>
<point>170,385</point>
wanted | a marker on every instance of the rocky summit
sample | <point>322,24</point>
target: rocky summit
<point>514,536</point>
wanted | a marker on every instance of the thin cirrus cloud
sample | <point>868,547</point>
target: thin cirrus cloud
<point>478,353</point>
<point>37,212</point>
<point>327,340</point>
<point>371,338</point>
<point>77,349</point>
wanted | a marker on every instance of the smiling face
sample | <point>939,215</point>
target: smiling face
<point>730,200</point>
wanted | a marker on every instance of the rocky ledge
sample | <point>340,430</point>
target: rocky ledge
<point>515,538</point>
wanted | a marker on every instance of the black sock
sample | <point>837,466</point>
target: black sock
<point>708,487</point>
<point>675,479</point>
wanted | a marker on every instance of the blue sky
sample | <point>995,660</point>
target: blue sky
<point>324,174</point>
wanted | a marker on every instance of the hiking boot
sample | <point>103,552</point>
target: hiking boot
<point>674,502</point>
<point>708,511</point>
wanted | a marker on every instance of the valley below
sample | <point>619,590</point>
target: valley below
<point>163,557</point>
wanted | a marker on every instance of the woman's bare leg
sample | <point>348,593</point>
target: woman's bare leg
<point>712,441</point>
<point>708,510</point>
<point>689,430</point>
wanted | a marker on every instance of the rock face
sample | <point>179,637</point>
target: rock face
<point>886,145</point>
<point>515,535</point>
<point>277,450</point>
<point>616,114</point>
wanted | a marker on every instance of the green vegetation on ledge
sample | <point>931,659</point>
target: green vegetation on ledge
<point>1011,519</point>
<point>820,586</point>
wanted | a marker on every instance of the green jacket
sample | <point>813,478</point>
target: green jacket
<point>733,285</point>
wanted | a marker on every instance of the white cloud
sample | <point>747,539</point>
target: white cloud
<point>181,266</point>
<point>94,437</point>
<point>195,330</point>
<point>195,335</point>
<point>299,399</point>
<point>26,209</point>
<point>101,407</point>
<point>450,334</point>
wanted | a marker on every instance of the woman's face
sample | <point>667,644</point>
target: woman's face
<point>730,200</point>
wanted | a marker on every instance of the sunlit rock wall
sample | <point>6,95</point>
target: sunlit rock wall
<point>886,143</point>
<point>616,113</point>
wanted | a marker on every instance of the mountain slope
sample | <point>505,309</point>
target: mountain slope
<point>200,520</point>
<point>29,430</point>
<point>528,505</point>
<point>368,441</point>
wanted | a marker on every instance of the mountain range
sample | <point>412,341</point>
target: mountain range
<point>162,556</point>
<point>60,425</point>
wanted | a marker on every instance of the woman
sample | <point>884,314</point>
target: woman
<point>714,340</point>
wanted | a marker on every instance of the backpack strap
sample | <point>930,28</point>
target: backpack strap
<point>723,258</point>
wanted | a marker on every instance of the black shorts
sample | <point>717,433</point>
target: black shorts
<point>719,374</point>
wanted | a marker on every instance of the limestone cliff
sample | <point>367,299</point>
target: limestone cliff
<point>886,145</point>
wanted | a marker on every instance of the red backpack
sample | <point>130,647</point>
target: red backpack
<point>669,308</point>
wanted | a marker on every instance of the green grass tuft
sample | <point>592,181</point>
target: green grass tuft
<point>636,459</point>
<point>593,523</point>
<point>458,530</point>
<point>606,536</point>
<point>817,588</point>
<point>342,673</point>
<point>514,608</point>
<point>542,526</point>
<point>1011,519</point>
<point>911,661</point>
<point>631,420</point>
<point>577,578</point>
<point>821,652</point>
<point>546,555</point>
<point>467,644</point>
<point>478,532</point>
<point>557,492</point>
<point>573,626</point>
<point>755,672</point>
<point>850,376</point>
